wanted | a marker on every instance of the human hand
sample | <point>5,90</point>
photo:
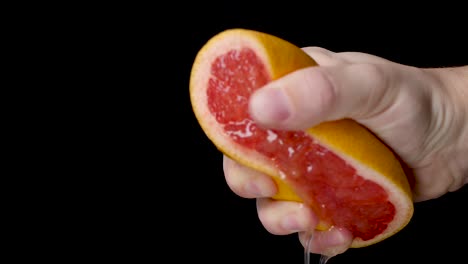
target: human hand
<point>420,113</point>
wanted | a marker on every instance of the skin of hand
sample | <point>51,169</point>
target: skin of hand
<point>420,113</point>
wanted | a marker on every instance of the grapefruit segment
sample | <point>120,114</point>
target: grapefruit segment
<point>342,171</point>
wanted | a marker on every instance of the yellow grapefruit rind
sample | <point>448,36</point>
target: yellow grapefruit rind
<point>352,142</point>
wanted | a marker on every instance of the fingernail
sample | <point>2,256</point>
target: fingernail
<point>338,243</point>
<point>270,106</point>
<point>338,237</point>
<point>336,240</point>
<point>254,189</point>
<point>290,223</point>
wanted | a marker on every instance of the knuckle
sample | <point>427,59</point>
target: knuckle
<point>372,72</point>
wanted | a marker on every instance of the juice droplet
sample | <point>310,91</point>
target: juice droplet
<point>308,239</point>
<point>324,259</point>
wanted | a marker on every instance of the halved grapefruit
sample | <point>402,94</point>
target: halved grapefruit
<point>341,170</point>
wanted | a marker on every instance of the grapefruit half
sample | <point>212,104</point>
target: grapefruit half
<point>340,169</point>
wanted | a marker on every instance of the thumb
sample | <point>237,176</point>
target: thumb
<point>313,95</point>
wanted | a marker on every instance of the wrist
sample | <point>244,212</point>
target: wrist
<point>457,81</point>
<point>453,82</point>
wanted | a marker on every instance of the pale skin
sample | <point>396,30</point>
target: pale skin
<point>422,114</point>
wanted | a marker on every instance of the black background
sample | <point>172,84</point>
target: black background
<point>208,223</point>
<point>138,181</point>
